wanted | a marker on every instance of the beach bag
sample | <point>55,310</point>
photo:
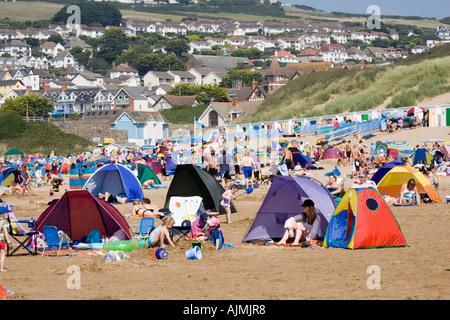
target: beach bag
<point>38,239</point>
<point>94,237</point>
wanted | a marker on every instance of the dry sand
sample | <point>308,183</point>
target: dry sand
<point>250,272</point>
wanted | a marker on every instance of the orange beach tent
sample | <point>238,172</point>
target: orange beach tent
<point>393,180</point>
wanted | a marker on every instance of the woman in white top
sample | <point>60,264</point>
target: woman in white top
<point>302,227</point>
<point>408,192</point>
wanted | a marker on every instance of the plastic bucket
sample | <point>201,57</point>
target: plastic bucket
<point>159,253</point>
<point>194,253</point>
<point>109,256</point>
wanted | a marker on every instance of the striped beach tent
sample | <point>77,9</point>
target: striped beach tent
<point>363,219</point>
<point>393,179</point>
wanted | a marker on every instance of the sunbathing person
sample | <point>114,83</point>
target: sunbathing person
<point>145,209</point>
<point>112,199</point>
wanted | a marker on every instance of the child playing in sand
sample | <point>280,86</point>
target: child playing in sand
<point>227,196</point>
<point>161,233</point>
<point>4,236</point>
<point>214,233</point>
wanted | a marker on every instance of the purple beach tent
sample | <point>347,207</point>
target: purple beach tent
<point>284,200</point>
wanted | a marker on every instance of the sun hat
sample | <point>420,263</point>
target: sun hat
<point>308,203</point>
<point>4,210</point>
<point>213,222</point>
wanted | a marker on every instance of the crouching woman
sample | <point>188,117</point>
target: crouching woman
<point>302,227</point>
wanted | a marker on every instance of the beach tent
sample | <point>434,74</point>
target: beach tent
<point>170,165</point>
<point>190,180</point>
<point>14,152</point>
<point>421,154</point>
<point>299,157</point>
<point>78,212</point>
<point>331,153</point>
<point>155,165</point>
<point>363,219</point>
<point>381,172</point>
<point>115,179</point>
<point>146,173</point>
<point>390,181</point>
<point>284,200</point>
<point>7,177</point>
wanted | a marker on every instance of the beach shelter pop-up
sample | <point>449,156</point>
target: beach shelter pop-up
<point>284,200</point>
<point>363,219</point>
<point>78,212</point>
<point>115,179</point>
<point>190,180</point>
<point>393,175</point>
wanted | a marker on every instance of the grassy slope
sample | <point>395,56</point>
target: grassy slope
<point>44,137</point>
<point>337,91</point>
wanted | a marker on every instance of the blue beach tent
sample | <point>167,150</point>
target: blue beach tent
<point>115,179</point>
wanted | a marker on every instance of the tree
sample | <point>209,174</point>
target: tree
<point>35,105</point>
<point>112,44</point>
<point>92,14</point>
<point>81,56</point>
<point>245,76</point>
<point>205,93</point>
<point>177,47</point>
<point>170,62</point>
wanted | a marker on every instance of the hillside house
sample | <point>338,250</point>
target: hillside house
<point>27,76</point>
<point>15,48</point>
<point>158,78</point>
<point>333,52</point>
<point>122,69</point>
<point>132,98</point>
<point>168,101</point>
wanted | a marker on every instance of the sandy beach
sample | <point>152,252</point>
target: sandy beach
<point>420,270</point>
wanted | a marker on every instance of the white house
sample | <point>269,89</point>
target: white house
<point>285,57</point>
<point>363,36</point>
<point>333,52</point>
<point>184,77</point>
<point>122,69</point>
<point>51,49</point>
<point>88,80</point>
<point>340,37</point>
<point>158,78</point>
<point>15,48</point>
<point>63,60</point>
<point>27,76</point>
<point>442,32</point>
<point>199,46</point>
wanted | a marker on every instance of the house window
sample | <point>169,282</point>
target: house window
<point>213,118</point>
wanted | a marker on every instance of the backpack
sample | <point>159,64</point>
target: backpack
<point>94,237</point>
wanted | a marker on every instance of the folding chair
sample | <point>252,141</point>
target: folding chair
<point>54,239</point>
<point>21,236</point>
<point>181,231</point>
<point>146,226</point>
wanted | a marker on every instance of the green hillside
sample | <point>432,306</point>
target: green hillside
<point>336,91</point>
<point>35,137</point>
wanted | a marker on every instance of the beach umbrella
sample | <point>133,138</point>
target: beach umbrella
<point>399,145</point>
<point>95,160</point>
<point>416,110</point>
